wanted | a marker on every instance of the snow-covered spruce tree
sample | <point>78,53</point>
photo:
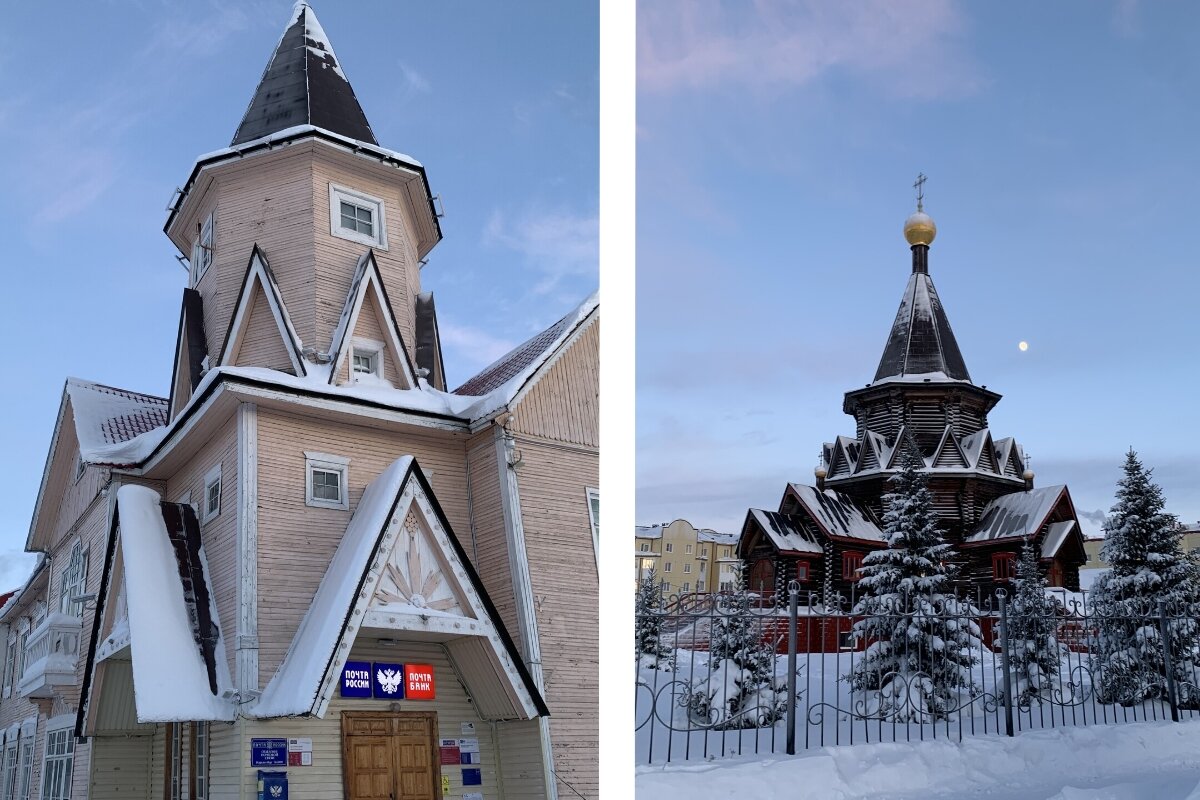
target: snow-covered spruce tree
<point>740,689</point>
<point>1034,655</point>
<point>920,638</point>
<point>1148,567</point>
<point>648,625</point>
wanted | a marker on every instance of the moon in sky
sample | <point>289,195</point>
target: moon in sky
<point>1023,346</point>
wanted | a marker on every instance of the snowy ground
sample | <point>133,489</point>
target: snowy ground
<point>1159,761</point>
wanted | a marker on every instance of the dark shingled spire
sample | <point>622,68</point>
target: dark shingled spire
<point>921,340</point>
<point>304,85</point>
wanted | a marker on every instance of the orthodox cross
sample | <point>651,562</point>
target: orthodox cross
<point>920,187</point>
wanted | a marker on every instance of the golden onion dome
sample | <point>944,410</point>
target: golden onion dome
<point>919,229</point>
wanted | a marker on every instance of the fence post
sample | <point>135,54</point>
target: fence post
<point>1007,671</point>
<point>1165,633</point>
<point>793,612</point>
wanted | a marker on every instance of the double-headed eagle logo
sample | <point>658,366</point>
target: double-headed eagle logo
<point>389,679</point>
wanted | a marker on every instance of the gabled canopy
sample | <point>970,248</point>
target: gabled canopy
<point>304,84</point>
<point>399,569</point>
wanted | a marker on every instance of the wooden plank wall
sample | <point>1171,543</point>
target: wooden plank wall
<point>490,546</point>
<point>336,257</point>
<point>262,345</point>
<point>219,535</point>
<point>121,768</point>
<point>296,542</point>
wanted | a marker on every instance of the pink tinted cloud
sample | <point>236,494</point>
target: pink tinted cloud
<point>915,49</point>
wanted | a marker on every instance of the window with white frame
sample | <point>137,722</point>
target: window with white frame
<point>687,568</point>
<point>670,547</point>
<point>26,767</point>
<point>356,216</point>
<point>73,581</point>
<point>56,768</point>
<point>175,764</point>
<point>366,360</point>
<point>326,481</point>
<point>645,547</point>
<point>593,498</point>
<point>200,743</point>
<point>8,786</point>
<point>210,506</point>
<point>667,567</point>
<point>10,664</point>
<point>202,250</point>
<point>687,548</point>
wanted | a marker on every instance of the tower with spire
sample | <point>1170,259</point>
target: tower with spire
<point>311,537</point>
<point>983,489</point>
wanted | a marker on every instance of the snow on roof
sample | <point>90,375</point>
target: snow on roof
<point>293,689</point>
<point>298,130</point>
<point>1016,514</point>
<point>1056,534</point>
<point>649,531</point>
<point>921,344</point>
<point>837,514</point>
<point>716,537</point>
<point>171,678</point>
<point>784,532</point>
<point>108,420</point>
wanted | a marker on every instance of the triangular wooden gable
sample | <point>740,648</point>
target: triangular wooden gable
<point>948,453</point>
<point>868,459</point>
<point>368,310</point>
<point>986,462</point>
<point>1011,459</point>
<point>893,455</point>
<point>839,464</point>
<point>260,320</point>
<point>191,348</point>
<point>418,574</point>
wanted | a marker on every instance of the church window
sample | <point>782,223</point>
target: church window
<point>326,480</point>
<point>202,250</point>
<point>802,571</point>
<point>364,362</point>
<point>212,494</point>
<point>356,216</point>
<point>850,565</point>
<point>1004,566</point>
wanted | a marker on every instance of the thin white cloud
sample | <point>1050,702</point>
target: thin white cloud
<point>1125,18</point>
<point>414,82</point>
<point>915,48</point>
<point>474,347</point>
<point>558,243</point>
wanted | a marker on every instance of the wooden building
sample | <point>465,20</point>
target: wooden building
<point>310,556</point>
<point>983,492</point>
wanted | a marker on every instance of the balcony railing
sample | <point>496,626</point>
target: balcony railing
<point>51,653</point>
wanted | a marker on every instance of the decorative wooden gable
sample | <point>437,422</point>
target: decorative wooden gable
<point>368,327</point>
<point>261,333</point>
<point>417,574</point>
<point>948,453</point>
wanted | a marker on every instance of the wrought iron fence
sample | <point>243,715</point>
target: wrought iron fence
<point>697,698</point>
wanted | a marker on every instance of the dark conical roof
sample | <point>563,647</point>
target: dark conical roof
<point>304,85</point>
<point>921,341</point>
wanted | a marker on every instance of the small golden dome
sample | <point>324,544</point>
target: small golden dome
<point>820,471</point>
<point>919,229</point>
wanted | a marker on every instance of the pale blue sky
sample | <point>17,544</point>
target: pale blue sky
<point>776,154</point>
<point>104,107</point>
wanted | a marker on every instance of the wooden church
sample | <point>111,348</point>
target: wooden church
<point>311,558</point>
<point>983,490</point>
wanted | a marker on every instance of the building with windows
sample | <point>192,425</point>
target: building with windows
<point>983,491</point>
<point>686,558</point>
<point>1189,542</point>
<point>311,556</point>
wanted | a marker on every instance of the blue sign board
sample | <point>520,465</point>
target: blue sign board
<point>387,681</point>
<point>268,752</point>
<point>356,679</point>
<point>472,777</point>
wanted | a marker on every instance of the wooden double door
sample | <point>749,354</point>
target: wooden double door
<point>390,755</point>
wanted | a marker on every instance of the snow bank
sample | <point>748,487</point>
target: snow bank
<point>293,689</point>
<point>170,678</point>
<point>1159,760</point>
